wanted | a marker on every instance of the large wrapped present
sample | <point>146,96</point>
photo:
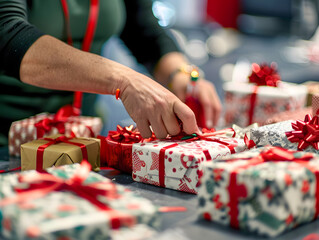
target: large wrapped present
<point>265,191</point>
<point>260,98</point>
<point>176,164</point>
<point>295,135</point>
<point>59,150</point>
<point>68,202</point>
<point>46,124</point>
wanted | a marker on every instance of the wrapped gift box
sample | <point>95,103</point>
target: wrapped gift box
<point>241,107</point>
<point>59,150</point>
<point>265,191</point>
<point>176,164</point>
<point>45,124</point>
<point>84,206</point>
<point>116,148</point>
<point>289,134</point>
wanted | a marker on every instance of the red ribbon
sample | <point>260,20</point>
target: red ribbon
<point>305,133</point>
<point>87,41</point>
<point>43,183</point>
<point>52,141</point>
<point>249,143</point>
<point>274,154</point>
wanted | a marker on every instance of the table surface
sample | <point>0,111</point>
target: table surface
<point>178,225</point>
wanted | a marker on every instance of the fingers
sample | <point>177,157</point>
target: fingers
<point>158,127</point>
<point>211,104</point>
<point>171,123</point>
<point>144,128</point>
<point>186,115</point>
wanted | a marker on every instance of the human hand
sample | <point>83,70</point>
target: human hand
<point>205,93</point>
<point>151,105</point>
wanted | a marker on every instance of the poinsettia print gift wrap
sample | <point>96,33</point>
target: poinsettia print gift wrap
<point>265,191</point>
<point>73,203</point>
<point>246,103</point>
<point>297,135</point>
<point>177,164</point>
<point>46,124</point>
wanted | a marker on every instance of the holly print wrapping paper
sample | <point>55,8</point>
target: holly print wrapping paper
<point>67,213</point>
<point>176,164</point>
<point>265,191</point>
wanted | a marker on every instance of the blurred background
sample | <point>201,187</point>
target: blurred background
<point>224,37</point>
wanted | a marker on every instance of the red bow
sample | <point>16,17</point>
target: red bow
<point>264,75</point>
<point>43,183</point>
<point>58,121</point>
<point>305,132</point>
<point>125,135</point>
<point>45,125</point>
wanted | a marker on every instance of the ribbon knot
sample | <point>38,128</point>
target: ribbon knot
<point>46,124</point>
<point>305,133</point>
<point>126,135</point>
<point>264,75</point>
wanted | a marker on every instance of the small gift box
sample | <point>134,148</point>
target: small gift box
<point>176,164</point>
<point>69,202</point>
<point>295,135</point>
<point>45,124</point>
<point>260,98</point>
<point>116,148</point>
<point>59,150</point>
<point>265,191</point>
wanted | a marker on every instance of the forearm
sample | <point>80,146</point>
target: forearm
<point>50,63</point>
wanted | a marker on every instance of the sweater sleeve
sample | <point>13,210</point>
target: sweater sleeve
<point>16,35</point>
<point>143,36</point>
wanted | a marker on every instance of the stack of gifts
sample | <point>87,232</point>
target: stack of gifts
<point>262,97</point>
<point>69,202</point>
<point>65,121</point>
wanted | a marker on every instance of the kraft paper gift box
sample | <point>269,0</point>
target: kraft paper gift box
<point>176,164</point>
<point>59,150</point>
<point>265,191</point>
<point>71,203</point>
<point>245,103</point>
<point>46,124</point>
<point>291,134</point>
